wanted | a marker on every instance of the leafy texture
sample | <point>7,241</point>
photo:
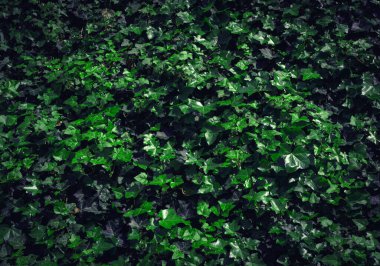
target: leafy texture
<point>189,132</point>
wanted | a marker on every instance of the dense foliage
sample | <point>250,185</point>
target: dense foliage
<point>189,132</point>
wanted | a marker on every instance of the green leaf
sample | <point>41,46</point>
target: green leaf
<point>369,89</point>
<point>61,208</point>
<point>160,180</point>
<point>235,28</point>
<point>142,178</point>
<point>185,17</point>
<point>9,89</point>
<point>118,192</point>
<point>203,209</point>
<point>237,156</point>
<point>176,182</point>
<point>131,192</point>
<point>14,237</point>
<point>208,185</point>
<point>243,65</point>
<point>152,145</point>
<point>184,55</point>
<point>112,111</point>
<point>122,154</point>
<point>226,206</point>
<point>331,260</point>
<point>309,73</point>
<point>169,218</point>
<point>278,205</point>
<point>200,107</point>
<point>168,153</point>
<point>298,159</point>
<point>261,196</point>
<point>361,224</point>
<point>267,53</point>
<point>82,156</point>
<point>177,253</point>
<point>146,207</point>
<point>217,247</point>
<point>325,222</point>
<point>237,251</point>
<point>281,80</point>
<point>210,136</point>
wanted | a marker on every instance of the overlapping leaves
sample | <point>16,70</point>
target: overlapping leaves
<point>195,133</point>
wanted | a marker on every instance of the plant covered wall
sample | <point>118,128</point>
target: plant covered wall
<point>189,132</point>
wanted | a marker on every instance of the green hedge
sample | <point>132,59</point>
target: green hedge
<point>189,132</point>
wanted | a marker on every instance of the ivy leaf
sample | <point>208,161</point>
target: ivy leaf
<point>142,178</point>
<point>118,193</point>
<point>14,237</point>
<point>185,17</point>
<point>237,251</point>
<point>203,209</point>
<point>331,260</point>
<point>176,181</point>
<point>298,159</point>
<point>146,207</point>
<point>242,65</point>
<point>82,156</point>
<point>235,28</point>
<point>369,88</point>
<point>160,180</point>
<point>122,154</point>
<point>61,208</point>
<point>325,222</point>
<point>216,247</point>
<point>169,218</point>
<point>361,224</point>
<point>200,107</point>
<point>278,205</point>
<point>152,145</point>
<point>260,196</point>
<point>132,192</point>
<point>210,136</point>
<point>168,153</point>
<point>177,253</point>
<point>267,53</point>
<point>9,89</point>
<point>309,73</point>
<point>237,156</point>
<point>226,206</point>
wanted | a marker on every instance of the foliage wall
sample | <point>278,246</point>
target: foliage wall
<point>186,132</point>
